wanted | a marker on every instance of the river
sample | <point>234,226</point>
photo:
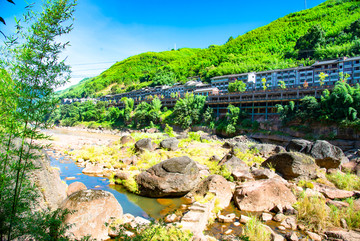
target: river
<point>70,172</point>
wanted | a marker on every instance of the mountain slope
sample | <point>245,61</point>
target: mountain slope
<point>270,47</point>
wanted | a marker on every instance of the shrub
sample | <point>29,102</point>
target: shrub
<point>169,130</point>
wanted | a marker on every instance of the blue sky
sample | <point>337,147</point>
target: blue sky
<point>109,31</point>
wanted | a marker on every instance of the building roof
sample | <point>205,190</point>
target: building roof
<point>206,89</point>
<point>230,76</point>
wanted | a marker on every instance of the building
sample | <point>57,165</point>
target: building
<point>222,82</point>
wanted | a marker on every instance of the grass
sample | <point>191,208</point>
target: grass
<point>345,181</point>
<point>256,231</point>
<point>312,212</point>
<point>249,157</point>
<point>351,216</point>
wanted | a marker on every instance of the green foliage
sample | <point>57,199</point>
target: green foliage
<point>30,70</point>
<point>277,45</point>
<point>146,113</point>
<point>237,86</point>
<point>169,130</point>
<point>188,110</point>
<point>155,231</point>
<point>313,39</point>
<point>340,106</point>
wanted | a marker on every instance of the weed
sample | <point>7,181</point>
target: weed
<point>305,184</point>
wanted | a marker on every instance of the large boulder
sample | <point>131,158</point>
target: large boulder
<point>292,165</point>
<point>239,147</point>
<point>299,145</point>
<point>263,195</point>
<point>170,144</point>
<point>327,155</point>
<point>170,178</point>
<point>216,185</point>
<point>144,144</point>
<point>90,210</point>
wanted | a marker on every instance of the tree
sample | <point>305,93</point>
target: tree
<point>31,70</point>
<point>322,78</point>
<point>313,39</point>
<point>282,84</point>
<point>2,19</point>
<point>128,109</point>
<point>237,86</point>
<point>188,110</point>
<point>263,81</point>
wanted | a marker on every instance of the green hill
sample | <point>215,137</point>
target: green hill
<point>329,30</point>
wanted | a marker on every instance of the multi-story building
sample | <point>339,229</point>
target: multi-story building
<point>222,82</point>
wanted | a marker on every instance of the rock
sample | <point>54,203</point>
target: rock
<point>338,204</point>
<point>239,147</point>
<point>130,160</point>
<point>242,176</point>
<point>91,209</point>
<point>313,236</point>
<point>299,145</point>
<point>228,145</point>
<point>216,185</point>
<point>234,164</point>
<point>343,223</point>
<point>289,210</point>
<point>262,195</point>
<point>332,192</point>
<point>229,218</point>
<point>121,175</point>
<point>49,187</point>
<point>263,173</point>
<point>292,236</point>
<point>171,218</point>
<point>267,149</point>
<point>94,170</point>
<point>170,178</point>
<point>144,144</point>
<point>266,217</point>
<point>152,130</point>
<point>126,139</point>
<point>215,158</point>
<point>357,204</point>
<point>292,165</point>
<point>244,219</point>
<point>170,144</point>
<point>75,187</point>
<point>341,234</point>
<point>327,155</point>
<point>289,223</point>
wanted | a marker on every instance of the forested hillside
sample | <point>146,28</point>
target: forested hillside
<point>329,30</point>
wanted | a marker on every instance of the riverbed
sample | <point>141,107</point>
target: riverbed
<point>63,140</point>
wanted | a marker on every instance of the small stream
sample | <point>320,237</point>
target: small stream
<point>136,205</point>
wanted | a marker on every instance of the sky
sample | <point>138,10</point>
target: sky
<point>109,31</point>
